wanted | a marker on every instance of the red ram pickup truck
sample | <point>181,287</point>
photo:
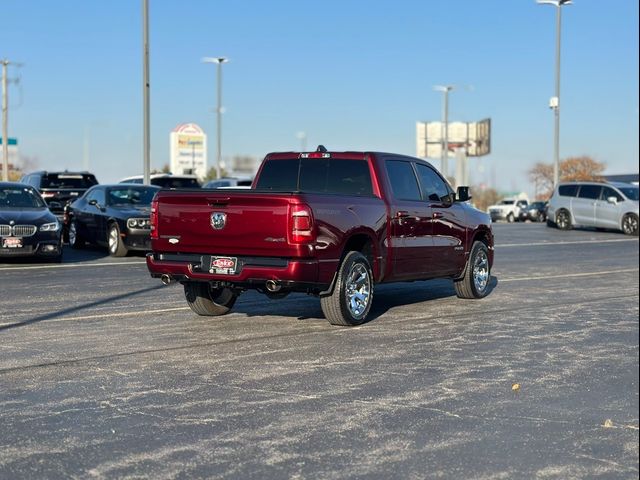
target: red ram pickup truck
<point>330,224</point>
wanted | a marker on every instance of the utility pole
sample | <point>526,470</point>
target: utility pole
<point>5,127</point>
<point>218,61</point>
<point>554,103</point>
<point>145,91</point>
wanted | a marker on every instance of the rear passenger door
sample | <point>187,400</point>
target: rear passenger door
<point>584,206</point>
<point>411,226</point>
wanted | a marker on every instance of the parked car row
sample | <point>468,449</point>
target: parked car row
<point>46,208</point>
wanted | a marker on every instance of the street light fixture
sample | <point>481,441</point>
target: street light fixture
<point>219,61</point>
<point>554,103</point>
<point>444,155</point>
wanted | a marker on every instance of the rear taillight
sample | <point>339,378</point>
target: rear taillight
<point>301,224</point>
<point>153,219</point>
<point>48,195</point>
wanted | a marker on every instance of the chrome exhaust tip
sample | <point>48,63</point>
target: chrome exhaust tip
<point>166,279</point>
<point>273,286</point>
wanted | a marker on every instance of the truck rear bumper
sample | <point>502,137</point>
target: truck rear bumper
<point>253,272</point>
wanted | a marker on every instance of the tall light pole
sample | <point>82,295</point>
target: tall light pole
<point>445,89</point>
<point>145,92</point>
<point>554,103</point>
<point>219,61</point>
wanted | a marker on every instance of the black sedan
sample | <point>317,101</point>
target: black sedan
<point>536,212</point>
<point>27,226</point>
<point>115,216</point>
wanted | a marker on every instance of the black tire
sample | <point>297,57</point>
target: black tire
<point>207,301</point>
<point>352,296</point>
<point>630,224</point>
<point>76,240</point>
<point>116,246</point>
<point>563,220</point>
<point>511,218</point>
<point>477,273</point>
<point>550,224</point>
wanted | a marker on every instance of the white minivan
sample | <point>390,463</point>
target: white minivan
<point>590,204</point>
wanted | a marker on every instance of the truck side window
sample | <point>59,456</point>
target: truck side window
<point>403,181</point>
<point>349,177</point>
<point>433,187</point>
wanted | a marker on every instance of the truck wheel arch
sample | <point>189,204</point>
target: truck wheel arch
<point>364,243</point>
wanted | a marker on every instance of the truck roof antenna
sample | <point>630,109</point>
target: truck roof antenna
<point>321,148</point>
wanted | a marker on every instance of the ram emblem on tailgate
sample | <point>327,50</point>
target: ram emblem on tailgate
<point>218,220</point>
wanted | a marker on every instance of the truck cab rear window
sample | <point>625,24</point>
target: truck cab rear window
<point>317,175</point>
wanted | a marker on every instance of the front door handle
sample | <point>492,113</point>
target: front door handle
<point>438,215</point>
<point>402,214</point>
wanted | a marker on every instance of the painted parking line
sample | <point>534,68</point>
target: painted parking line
<point>568,275</point>
<point>102,315</point>
<point>578,242</point>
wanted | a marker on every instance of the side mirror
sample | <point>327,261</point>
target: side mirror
<point>612,200</point>
<point>463,194</point>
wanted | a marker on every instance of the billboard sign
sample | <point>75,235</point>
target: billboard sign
<point>474,138</point>
<point>188,150</point>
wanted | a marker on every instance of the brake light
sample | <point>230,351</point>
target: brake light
<point>153,219</point>
<point>301,224</point>
<point>315,155</point>
<point>48,195</point>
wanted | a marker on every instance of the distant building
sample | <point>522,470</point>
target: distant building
<point>625,178</point>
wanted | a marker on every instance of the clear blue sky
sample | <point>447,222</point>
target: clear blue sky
<point>352,74</point>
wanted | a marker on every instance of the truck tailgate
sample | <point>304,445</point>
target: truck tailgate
<point>227,223</point>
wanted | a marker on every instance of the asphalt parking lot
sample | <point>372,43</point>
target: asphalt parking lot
<point>105,373</point>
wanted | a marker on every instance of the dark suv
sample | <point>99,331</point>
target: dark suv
<point>60,188</point>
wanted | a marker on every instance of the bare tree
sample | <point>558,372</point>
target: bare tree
<point>483,197</point>
<point>583,168</point>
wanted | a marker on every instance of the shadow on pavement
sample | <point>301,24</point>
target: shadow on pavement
<point>77,308</point>
<point>386,297</point>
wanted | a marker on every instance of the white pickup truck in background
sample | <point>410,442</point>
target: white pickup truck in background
<point>509,209</point>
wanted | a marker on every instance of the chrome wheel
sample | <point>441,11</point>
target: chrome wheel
<point>563,221</point>
<point>481,271</point>
<point>358,290</point>
<point>73,235</point>
<point>117,247</point>
<point>630,225</point>
<point>114,238</point>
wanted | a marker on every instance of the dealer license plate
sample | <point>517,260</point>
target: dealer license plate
<point>12,242</point>
<point>223,265</point>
